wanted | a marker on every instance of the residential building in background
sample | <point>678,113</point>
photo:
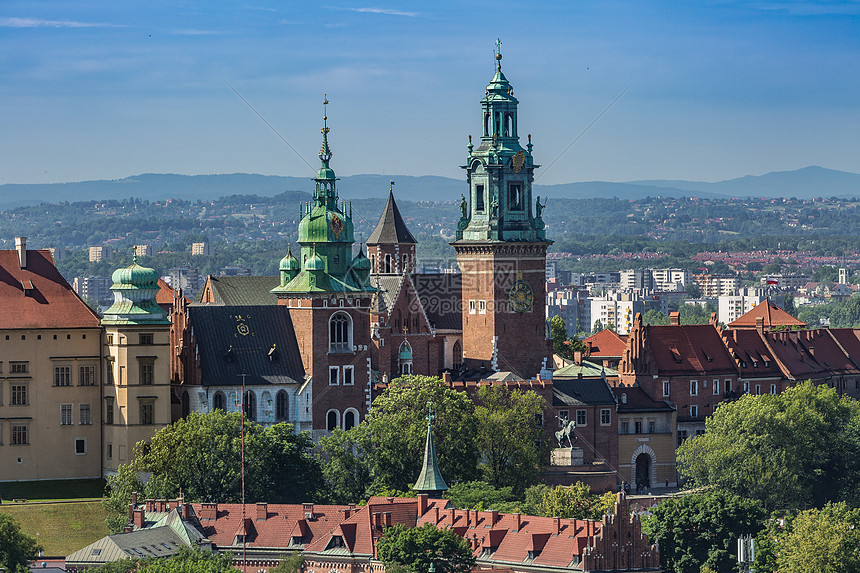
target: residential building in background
<point>713,286</point>
<point>186,278</point>
<point>99,253</point>
<point>201,249</point>
<point>143,250</point>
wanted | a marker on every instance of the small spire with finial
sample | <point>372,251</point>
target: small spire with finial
<point>499,54</point>
<point>391,185</point>
<point>134,255</point>
<point>325,151</point>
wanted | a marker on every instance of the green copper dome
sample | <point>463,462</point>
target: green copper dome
<point>134,276</point>
<point>289,263</point>
<point>315,263</point>
<point>360,262</point>
<point>405,352</point>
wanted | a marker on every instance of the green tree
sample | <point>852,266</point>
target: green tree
<point>655,317</point>
<point>346,464</point>
<point>558,332</point>
<point>701,529</point>
<point>696,313</point>
<point>397,428</point>
<point>292,562</point>
<point>509,434</point>
<point>481,495</point>
<point>694,290</point>
<point>200,456</point>
<point>794,449</point>
<point>821,541</point>
<point>416,548</point>
<point>118,495</point>
<point>575,502</point>
<point>16,547</point>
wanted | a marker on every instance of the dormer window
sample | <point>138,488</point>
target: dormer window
<point>335,542</point>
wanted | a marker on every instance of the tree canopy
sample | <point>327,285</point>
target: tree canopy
<point>16,547</point>
<point>200,456</point>
<point>416,548</point>
<point>701,529</point>
<point>795,449</point>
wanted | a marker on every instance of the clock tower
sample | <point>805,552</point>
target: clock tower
<point>501,245</point>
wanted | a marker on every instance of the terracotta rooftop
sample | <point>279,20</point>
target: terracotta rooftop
<point>606,344</point>
<point>38,296</point>
<point>771,315</point>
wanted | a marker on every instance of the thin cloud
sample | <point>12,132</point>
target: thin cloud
<point>41,23</point>
<point>191,32</point>
<point>387,12</point>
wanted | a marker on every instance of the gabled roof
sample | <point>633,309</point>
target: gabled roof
<point>441,296</point>
<point>161,541</point>
<point>391,229</point>
<point>606,344</point>
<point>585,369</point>
<point>771,314</point>
<point>239,291</point>
<point>259,341</point>
<point>635,399</point>
<point>164,296</point>
<point>388,287</point>
<point>582,392</point>
<point>39,296</point>
<point>690,349</point>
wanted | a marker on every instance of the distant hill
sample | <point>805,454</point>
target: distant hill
<point>803,183</point>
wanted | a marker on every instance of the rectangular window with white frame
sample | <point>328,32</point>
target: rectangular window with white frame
<point>581,418</point>
<point>667,387</point>
<point>86,416</point>
<point>563,415</point>
<point>625,427</point>
<point>727,386</point>
<point>746,387</point>
<point>716,387</point>
<point>19,436</point>
<point>773,388</point>
<point>694,411</point>
<point>758,389</point>
<point>62,375</point>
<point>80,446</point>
<point>334,375</point>
<point>87,376</point>
<point>605,416</point>
<point>694,387</point>
<point>65,414</point>
<point>348,375</point>
<point>18,395</point>
<point>482,307</point>
<point>472,306</point>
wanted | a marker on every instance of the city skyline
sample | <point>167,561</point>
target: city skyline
<point>717,90</point>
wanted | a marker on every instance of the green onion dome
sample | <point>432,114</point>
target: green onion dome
<point>360,262</point>
<point>315,263</point>
<point>135,276</point>
<point>289,263</point>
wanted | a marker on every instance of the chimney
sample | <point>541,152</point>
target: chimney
<point>675,318</point>
<point>262,510</point>
<point>129,527</point>
<point>186,511</point>
<point>422,503</point>
<point>172,504</point>
<point>308,508</point>
<point>468,519</point>
<point>475,518</point>
<point>134,497</point>
<point>517,521</point>
<point>759,324</point>
<point>130,511</point>
<point>577,357</point>
<point>21,247</point>
<point>556,525</point>
<point>435,514</point>
<point>451,515</point>
<point>150,505</point>
<point>494,517</point>
<point>138,517</point>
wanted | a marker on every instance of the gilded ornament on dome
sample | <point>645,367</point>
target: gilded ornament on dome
<point>517,161</point>
<point>336,225</point>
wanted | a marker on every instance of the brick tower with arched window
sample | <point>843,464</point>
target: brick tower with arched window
<point>327,292</point>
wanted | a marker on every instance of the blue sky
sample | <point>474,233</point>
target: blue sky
<point>720,89</point>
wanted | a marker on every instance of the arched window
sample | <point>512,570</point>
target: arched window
<point>186,404</point>
<point>218,401</point>
<point>249,406</point>
<point>387,269</point>
<point>332,420</point>
<point>282,403</point>
<point>340,333</point>
<point>373,263</point>
<point>458,355</point>
<point>350,419</point>
<point>404,359</point>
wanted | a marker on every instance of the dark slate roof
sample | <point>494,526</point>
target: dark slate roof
<point>238,340</point>
<point>441,296</point>
<point>387,287</point>
<point>582,392</point>
<point>638,400</point>
<point>391,229</point>
<point>243,291</point>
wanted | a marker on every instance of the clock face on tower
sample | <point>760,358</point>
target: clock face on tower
<point>520,296</point>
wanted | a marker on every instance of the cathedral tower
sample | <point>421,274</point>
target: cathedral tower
<point>327,293</point>
<point>501,245</point>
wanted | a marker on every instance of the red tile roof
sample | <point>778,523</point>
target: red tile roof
<point>770,313</point>
<point>606,343</point>
<point>39,296</point>
<point>690,349</point>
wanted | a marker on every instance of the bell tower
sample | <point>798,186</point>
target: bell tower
<point>501,244</point>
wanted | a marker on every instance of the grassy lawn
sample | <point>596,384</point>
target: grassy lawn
<point>52,489</point>
<point>62,528</point>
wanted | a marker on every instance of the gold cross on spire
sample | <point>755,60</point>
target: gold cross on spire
<point>430,415</point>
<point>499,46</point>
<point>325,113</point>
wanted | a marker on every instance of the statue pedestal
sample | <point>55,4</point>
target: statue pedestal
<point>566,457</point>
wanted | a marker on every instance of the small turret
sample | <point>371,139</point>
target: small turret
<point>289,267</point>
<point>134,289</point>
<point>430,479</point>
<point>360,267</point>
